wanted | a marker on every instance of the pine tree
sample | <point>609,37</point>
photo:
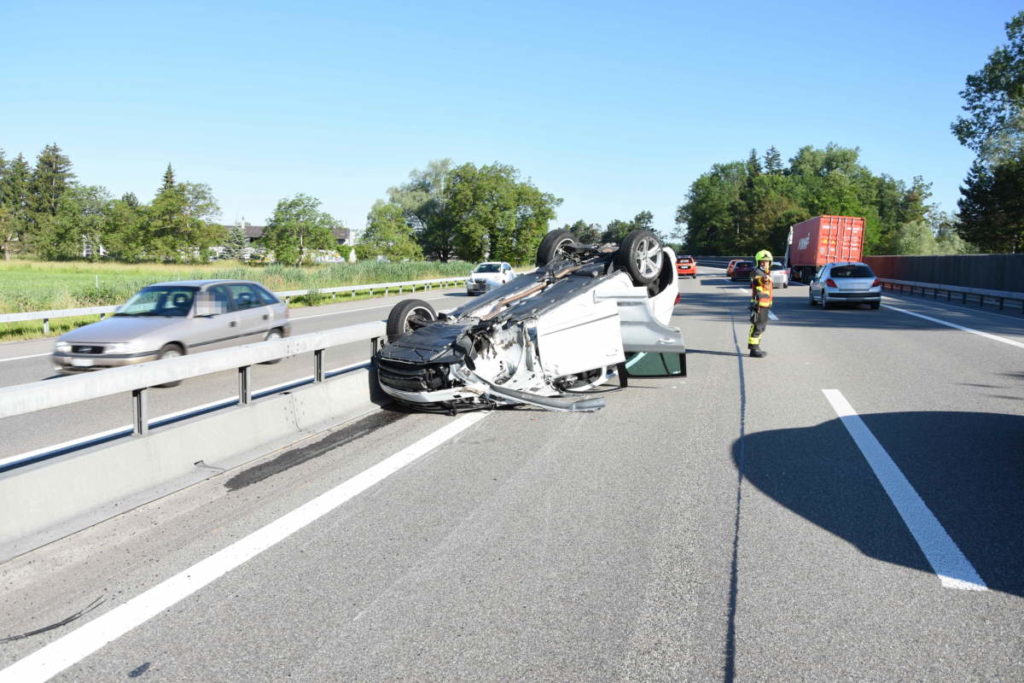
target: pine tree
<point>50,180</point>
<point>168,183</point>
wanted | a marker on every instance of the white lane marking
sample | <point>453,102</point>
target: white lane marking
<point>154,420</point>
<point>772,316</point>
<point>958,327</point>
<point>952,567</point>
<point>34,355</point>
<point>72,648</point>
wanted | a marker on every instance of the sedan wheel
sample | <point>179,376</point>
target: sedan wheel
<point>271,336</point>
<point>170,351</point>
<point>824,300</point>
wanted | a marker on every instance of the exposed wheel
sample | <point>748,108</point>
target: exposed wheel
<point>641,255</point>
<point>553,246</point>
<point>824,300</point>
<point>271,336</point>
<point>408,315</point>
<point>810,297</point>
<point>170,351</point>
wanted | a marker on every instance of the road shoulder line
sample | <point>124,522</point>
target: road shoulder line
<point>75,646</point>
<point>946,559</point>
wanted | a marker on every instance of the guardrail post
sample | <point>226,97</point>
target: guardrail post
<point>244,385</point>
<point>318,365</point>
<point>140,414</point>
<point>46,326</point>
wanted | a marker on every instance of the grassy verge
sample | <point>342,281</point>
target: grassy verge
<point>40,286</point>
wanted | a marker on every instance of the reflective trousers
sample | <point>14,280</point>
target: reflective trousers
<point>758,323</point>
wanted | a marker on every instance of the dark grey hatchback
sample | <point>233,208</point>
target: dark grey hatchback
<point>174,318</point>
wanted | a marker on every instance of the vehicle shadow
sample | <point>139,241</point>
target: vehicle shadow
<point>968,468</point>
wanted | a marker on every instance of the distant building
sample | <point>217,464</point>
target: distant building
<point>254,232</point>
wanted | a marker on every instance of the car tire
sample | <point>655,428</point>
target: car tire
<point>554,247</point>
<point>170,351</point>
<point>641,254</point>
<point>401,317</point>
<point>824,300</point>
<point>275,333</point>
<point>810,298</point>
<point>875,304</point>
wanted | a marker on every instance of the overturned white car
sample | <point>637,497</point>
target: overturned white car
<point>584,315</point>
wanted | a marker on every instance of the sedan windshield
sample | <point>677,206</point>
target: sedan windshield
<point>160,301</point>
<point>486,268</point>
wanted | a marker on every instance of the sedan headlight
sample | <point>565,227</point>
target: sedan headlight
<point>125,347</point>
<point>62,347</point>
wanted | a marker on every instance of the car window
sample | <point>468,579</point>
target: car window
<point>852,271</point>
<point>267,297</point>
<point>220,300</point>
<point>245,296</point>
<point>173,301</point>
<point>486,268</point>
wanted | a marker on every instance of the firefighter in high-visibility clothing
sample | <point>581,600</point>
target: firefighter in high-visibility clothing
<point>760,301</point>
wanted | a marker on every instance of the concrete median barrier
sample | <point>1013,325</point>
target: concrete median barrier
<point>54,498</point>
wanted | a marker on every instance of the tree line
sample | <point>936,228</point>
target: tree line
<point>740,206</point>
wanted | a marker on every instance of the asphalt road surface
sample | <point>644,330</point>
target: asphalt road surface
<point>848,508</point>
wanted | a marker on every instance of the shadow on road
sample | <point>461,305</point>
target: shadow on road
<point>967,467</point>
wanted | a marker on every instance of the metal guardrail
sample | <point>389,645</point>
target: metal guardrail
<point>102,311</point>
<point>950,290</point>
<point>138,379</point>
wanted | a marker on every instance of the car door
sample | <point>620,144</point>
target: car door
<point>216,321</point>
<point>253,313</point>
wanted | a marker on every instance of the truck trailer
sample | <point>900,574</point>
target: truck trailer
<point>820,240</point>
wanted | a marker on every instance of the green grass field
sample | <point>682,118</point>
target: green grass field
<point>41,286</point>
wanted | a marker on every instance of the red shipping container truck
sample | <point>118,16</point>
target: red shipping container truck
<point>821,240</point>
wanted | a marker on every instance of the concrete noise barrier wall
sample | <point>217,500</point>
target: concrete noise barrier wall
<point>51,499</point>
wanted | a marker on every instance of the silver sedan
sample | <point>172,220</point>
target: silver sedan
<point>171,319</point>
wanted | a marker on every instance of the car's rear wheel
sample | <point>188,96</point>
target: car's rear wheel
<point>275,333</point>
<point>810,297</point>
<point>824,300</point>
<point>641,255</point>
<point>408,315</point>
<point>555,247</point>
<point>170,351</point>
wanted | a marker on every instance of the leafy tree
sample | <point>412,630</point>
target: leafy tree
<point>179,226</point>
<point>78,227</point>
<point>739,207</point>
<point>586,233</point>
<point>423,200</point>
<point>126,235</point>
<point>388,234</point>
<point>297,228</point>
<point>994,101</point>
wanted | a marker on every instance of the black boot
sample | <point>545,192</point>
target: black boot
<point>756,352</point>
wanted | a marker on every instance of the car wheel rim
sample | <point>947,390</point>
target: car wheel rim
<point>648,257</point>
<point>273,334</point>
<point>170,353</point>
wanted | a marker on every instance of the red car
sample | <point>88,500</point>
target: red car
<point>686,265</point>
<point>742,270</point>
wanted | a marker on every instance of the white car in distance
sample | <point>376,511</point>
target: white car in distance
<point>487,276</point>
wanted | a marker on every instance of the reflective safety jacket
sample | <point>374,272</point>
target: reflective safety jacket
<point>761,288</point>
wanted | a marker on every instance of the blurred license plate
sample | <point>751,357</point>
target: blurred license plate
<point>82,362</point>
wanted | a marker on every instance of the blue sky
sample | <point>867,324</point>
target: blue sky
<point>615,107</point>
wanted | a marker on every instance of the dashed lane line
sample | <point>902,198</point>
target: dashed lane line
<point>946,559</point>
